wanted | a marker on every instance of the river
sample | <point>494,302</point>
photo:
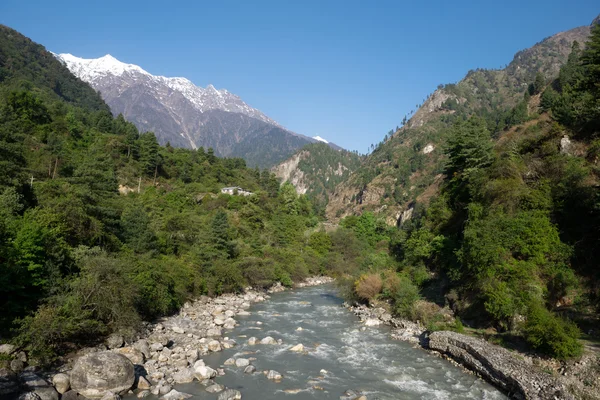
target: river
<point>354,357</point>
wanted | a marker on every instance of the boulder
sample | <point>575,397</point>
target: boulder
<point>143,383</point>
<point>250,369</point>
<point>268,340</point>
<point>156,346</point>
<point>214,345</point>
<point>184,376</point>
<point>298,348</point>
<point>17,366</point>
<point>134,355</point>
<point>499,366</point>
<point>242,362</point>
<point>7,349</point>
<point>143,346</point>
<point>115,341</point>
<point>8,383</point>
<point>230,394</point>
<point>29,396</point>
<point>143,394</point>
<point>252,341</point>
<point>372,322</point>
<point>175,395</point>
<point>229,361</point>
<point>203,372</point>
<point>70,395</point>
<point>274,375</point>
<point>33,383</point>
<point>111,396</point>
<point>178,329</point>
<point>95,374</point>
<point>61,382</point>
<point>215,388</point>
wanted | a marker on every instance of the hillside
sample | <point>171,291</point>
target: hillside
<point>185,115</point>
<point>316,170</point>
<point>101,227</point>
<point>405,171</point>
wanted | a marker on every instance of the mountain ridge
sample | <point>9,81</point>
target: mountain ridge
<point>404,171</point>
<point>185,115</point>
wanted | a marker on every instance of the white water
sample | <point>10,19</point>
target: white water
<point>364,360</point>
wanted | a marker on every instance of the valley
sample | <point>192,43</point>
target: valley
<point>145,210</point>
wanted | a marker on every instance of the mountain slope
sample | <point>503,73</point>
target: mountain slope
<point>185,115</point>
<point>316,170</point>
<point>405,171</point>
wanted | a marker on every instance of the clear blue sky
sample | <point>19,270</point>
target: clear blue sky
<point>345,70</point>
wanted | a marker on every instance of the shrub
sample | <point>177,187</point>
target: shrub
<point>368,286</point>
<point>551,335</point>
<point>403,293</point>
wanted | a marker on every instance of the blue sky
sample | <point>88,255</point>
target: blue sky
<point>345,70</point>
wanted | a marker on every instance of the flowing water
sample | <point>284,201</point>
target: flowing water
<point>334,340</point>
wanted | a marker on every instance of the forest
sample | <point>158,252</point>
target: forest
<point>510,240</point>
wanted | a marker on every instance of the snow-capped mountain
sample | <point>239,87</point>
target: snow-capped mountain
<point>186,115</point>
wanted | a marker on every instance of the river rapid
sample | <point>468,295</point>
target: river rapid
<point>339,354</point>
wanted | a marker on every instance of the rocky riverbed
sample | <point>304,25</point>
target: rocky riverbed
<point>168,352</point>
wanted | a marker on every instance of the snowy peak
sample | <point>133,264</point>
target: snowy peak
<point>90,69</point>
<point>320,139</point>
<point>106,73</point>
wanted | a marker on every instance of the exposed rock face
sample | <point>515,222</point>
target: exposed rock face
<point>499,366</point>
<point>98,373</point>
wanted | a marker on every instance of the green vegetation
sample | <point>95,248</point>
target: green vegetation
<point>101,227</point>
<point>511,235</point>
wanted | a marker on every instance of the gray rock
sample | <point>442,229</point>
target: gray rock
<point>268,340</point>
<point>203,372</point>
<point>499,366</point>
<point>164,389</point>
<point>230,394</point>
<point>111,396</point>
<point>7,349</point>
<point>17,366</point>
<point>250,369</point>
<point>70,395</point>
<point>242,362</point>
<point>95,374</point>
<point>21,356</point>
<point>8,383</point>
<point>134,355</point>
<point>215,388</point>
<point>61,383</point>
<point>115,341</point>
<point>156,347</point>
<point>175,395</point>
<point>143,346</point>
<point>184,376</point>
<point>29,396</point>
<point>143,384</point>
<point>229,361</point>
<point>252,341</point>
<point>274,375</point>
<point>143,394</point>
<point>214,345</point>
<point>33,383</point>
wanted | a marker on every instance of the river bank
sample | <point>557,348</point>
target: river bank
<point>166,352</point>
<point>519,375</point>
